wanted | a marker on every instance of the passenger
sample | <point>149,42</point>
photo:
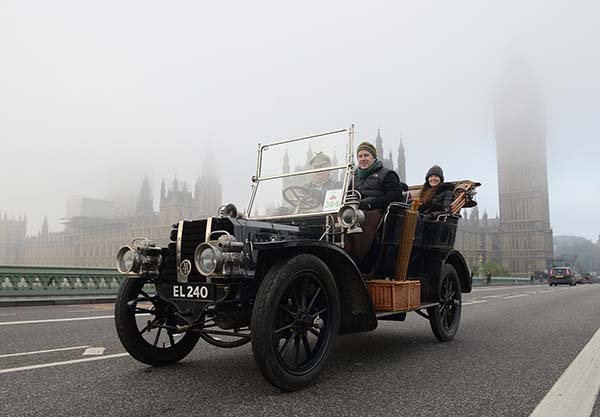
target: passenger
<point>436,196</point>
<point>323,181</point>
<point>378,186</point>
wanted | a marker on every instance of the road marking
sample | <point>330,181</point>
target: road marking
<point>575,392</point>
<point>544,292</point>
<point>42,351</point>
<point>515,296</point>
<point>474,302</point>
<point>7,314</point>
<point>94,351</point>
<point>51,364</point>
<point>503,288</point>
<point>496,296</point>
<point>6,323</point>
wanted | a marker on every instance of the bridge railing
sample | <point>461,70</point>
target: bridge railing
<point>26,281</point>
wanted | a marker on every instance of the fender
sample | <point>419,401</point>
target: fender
<point>427,266</point>
<point>356,307</point>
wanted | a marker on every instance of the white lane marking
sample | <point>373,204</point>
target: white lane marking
<point>94,351</point>
<point>504,288</point>
<point>48,365</point>
<point>8,314</point>
<point>496,296</point>
<point>474,302</point>
<point>83,311</point>
<point>5,323</point>
<point>42,351</point>
<point>515,296</point>
<point>575,392</point>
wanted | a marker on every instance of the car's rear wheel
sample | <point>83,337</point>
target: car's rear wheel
<point>445,317</point>
<point>295,322</point>
<point>139,316</point>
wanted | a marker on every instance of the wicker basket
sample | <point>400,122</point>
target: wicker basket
<point>395,295</point>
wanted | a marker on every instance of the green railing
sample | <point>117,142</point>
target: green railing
<point>25,281</point>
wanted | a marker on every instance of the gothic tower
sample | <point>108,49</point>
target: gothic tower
<point>208,193</point>
<point>144,203</point>
<point>520,132</point>
<point>401,162</point>
<point>12,239</point>
<point>379,146</point>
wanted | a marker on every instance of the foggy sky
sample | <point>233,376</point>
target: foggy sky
<point>95,95</point>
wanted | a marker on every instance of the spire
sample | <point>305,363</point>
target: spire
<point>390,160</point>
<point>163,193</point>
<point>309,155</point>
<point>286,162</point>
<point>45,227</point>
<point>379,145</point>
<point>144,203</point>
<point>401,162</point>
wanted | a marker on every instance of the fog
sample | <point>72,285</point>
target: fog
<point>95,95</point>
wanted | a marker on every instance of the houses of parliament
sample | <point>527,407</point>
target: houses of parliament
<point>520,238</point>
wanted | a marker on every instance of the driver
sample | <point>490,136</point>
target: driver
<point>321,182</point>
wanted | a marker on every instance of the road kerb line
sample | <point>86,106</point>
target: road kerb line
<point>43,351</point>
<point>574,393</point>
<point>51,364</point>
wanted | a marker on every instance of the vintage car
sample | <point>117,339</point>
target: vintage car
<point>278,275</point>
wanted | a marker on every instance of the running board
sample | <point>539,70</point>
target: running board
<point>400,315</point>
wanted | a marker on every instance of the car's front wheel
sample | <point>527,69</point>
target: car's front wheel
<point>145,325</point>
<point>295,322</point>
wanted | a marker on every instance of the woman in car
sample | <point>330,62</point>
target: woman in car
<point>436,196</point>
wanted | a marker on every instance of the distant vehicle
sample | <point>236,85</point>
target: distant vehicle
<point>584,278</point>
<point>561,275</point>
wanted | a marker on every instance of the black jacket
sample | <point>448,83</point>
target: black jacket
<point>441,202</point>
<point>380,188</point>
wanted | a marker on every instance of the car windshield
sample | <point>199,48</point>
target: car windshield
<point>301,177</point>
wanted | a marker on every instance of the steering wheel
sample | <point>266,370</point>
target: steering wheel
<point>299,197</point>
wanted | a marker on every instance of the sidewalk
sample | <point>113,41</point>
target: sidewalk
<point>55,300</point>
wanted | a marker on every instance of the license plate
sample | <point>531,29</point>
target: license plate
<point>558,276</point>
<point>203,292</point>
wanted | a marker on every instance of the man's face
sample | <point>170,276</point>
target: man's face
<point>365,159</point>
<point>321,177</point>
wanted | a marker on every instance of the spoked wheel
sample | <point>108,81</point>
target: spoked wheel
<point>295,322</point>
<point>444,318</point>
<point>138,316</point>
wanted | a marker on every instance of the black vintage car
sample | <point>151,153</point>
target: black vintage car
<point>278,275</point>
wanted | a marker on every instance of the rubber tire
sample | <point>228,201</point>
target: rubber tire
<point>131,339</point>
<point>435,321</point>
<point>265,307</point>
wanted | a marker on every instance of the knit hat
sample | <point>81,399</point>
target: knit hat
<point>366,146</point>
<point>435,170</point>
<point>320,160</point>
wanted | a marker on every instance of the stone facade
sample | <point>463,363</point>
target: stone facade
<point>93,241</point>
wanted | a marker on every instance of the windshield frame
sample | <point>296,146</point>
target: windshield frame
<point>348,168</point>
